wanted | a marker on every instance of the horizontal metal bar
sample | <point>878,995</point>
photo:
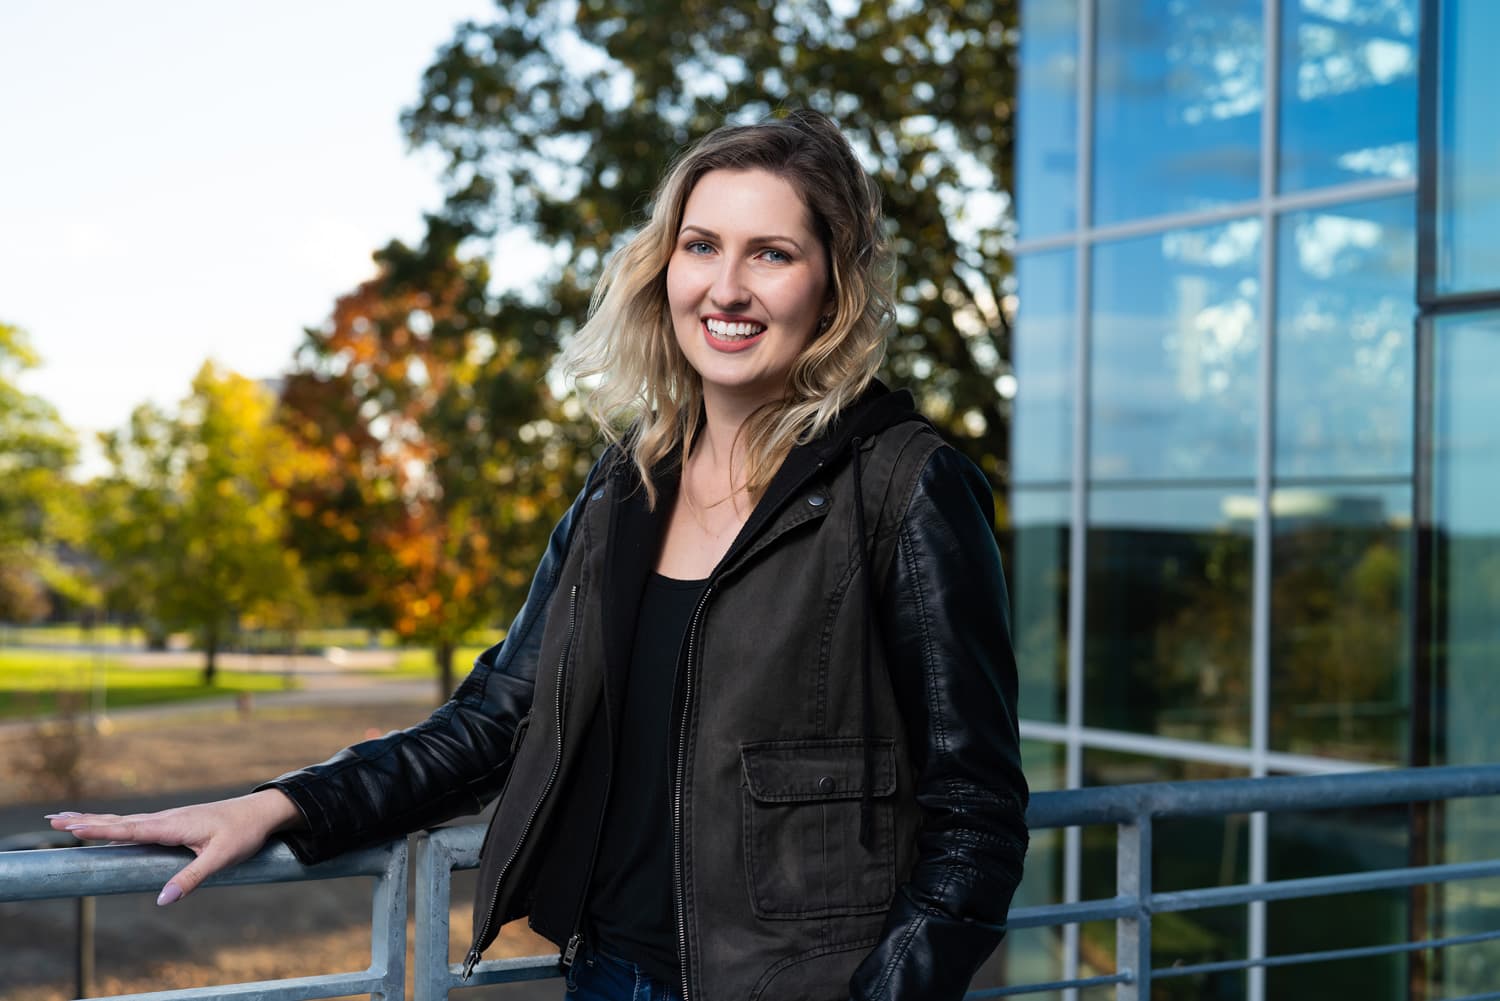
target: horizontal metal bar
<point>1124,804</point>
<point>1056,985</point>
<point>507,971</point>
<point>1095,738</point>
<point>106,869</point>
<point>1324,956</point>
<point>1491,996</point>
<point>1081,912</point>
<point>296,989</point>
<point>1320,886</point>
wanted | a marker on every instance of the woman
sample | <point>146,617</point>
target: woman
<point>754,729</point>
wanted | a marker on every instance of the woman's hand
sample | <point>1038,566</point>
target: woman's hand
<point>221,833</point>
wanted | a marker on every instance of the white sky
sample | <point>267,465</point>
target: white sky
<point>180,181</point>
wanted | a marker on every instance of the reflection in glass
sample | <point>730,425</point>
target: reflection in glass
<point>1324,843</point>
<point>1177,104</point>
<point>1047,119</point>
<point>1167,644</point>
<point>1187,853</point>
<point>1044,338</point>
<point>1039,595</point>
<point>1348,92</point>
<point>1340,622</point>
<point>1034,955</point>
<point>1465,615</point>
<point>1176,343</point>
<point>1344,354</point>
<point>1468,175</point>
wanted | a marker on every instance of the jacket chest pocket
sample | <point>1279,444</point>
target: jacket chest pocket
<point>801,803</point>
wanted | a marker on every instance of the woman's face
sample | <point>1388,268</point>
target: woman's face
<point>746,284</point>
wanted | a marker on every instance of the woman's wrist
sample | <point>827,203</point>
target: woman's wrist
<point>276,809</point>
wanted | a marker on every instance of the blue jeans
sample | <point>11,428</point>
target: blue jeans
<point>597,976</point>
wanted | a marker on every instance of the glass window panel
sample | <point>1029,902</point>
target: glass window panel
<point>1465,596</point>
<point>1167,645</point>
<point>1187,853</point>
<point>1039,597</point>
<point>1325,843</point>
<point>1340,622</point>
<point>1466,542</point>
<point>1175,354</point>
<point>1348,92</point>
<point>1047,119</point>
<point>1344,355</point>
<point>1468,223</point>
<point>1045,336</point>
<point>1177,106</point>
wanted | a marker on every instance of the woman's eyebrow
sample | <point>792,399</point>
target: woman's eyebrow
<point>770,238</point>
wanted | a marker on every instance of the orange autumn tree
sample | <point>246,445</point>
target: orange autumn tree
<point>444,457</point>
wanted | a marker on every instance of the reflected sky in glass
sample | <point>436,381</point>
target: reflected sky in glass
<point>1044,338</point>
<point>1348,92</point>
<point>1039,598</point>
<point>1178,95</point>
<point>1344,348</point>
<point>1167,640</point>
<point>1468,245</point>
<point>1176,346</point>
<point>1341,621</point>
<point>1047,119</point>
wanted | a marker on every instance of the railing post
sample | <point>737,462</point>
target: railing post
<point>85,957</point>
<point>388,927</point>
<point>1133,933</point>
<point>434,891</point>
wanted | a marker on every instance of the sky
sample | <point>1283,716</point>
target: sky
<point>183,181</point>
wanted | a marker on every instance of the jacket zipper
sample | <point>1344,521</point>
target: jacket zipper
<point>489,918</point>
<point>677,791</point>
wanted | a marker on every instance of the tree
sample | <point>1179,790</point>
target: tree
<point>442,458</point>
<point>557,117</point>
<point>36,498</point>
<point>191,520</point>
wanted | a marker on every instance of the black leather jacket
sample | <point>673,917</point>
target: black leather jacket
<point>848,796</point>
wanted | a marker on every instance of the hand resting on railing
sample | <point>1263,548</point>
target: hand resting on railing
<point>220,834</point>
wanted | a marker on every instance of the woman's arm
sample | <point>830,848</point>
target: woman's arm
<point>445,766</point>
<point>946,629</point>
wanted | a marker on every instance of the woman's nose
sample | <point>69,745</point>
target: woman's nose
<point>728,288</point>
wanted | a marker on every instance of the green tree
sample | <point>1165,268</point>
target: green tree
<point>558,116</point>
<point>191,521</point>
<point>442,458</point>
<point>37,501</point>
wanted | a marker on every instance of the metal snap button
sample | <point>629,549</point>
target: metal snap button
<point>597,494</point>
<point>825,784</point>
<point>817,500</point>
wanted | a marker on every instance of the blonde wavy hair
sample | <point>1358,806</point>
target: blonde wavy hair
<point>640,390</point>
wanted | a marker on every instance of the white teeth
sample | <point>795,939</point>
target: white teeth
<point>733,331</point>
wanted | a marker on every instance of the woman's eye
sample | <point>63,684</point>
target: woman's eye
<point>698,247</point>
<point>776,256</point>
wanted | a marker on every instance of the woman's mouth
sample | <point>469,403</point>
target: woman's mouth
<point>726,335</point>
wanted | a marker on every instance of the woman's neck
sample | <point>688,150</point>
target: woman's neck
<point>716,467</point>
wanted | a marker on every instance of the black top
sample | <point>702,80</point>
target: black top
<point>630,898</point>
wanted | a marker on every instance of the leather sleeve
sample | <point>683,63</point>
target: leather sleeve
<point>946,629</point>
<point>448,765</point>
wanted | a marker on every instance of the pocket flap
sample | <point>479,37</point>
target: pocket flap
<point>787,771</point>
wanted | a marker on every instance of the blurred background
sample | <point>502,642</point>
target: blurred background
<point>1210,289</point>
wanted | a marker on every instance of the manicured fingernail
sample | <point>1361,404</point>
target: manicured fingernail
<point>77,827</point>
<point>65,813</point>
<point>170,894</point>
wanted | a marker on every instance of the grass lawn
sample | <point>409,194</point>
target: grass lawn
<point>418,662</point>
<point>32,681</point>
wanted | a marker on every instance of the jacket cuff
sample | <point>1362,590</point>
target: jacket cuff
<point>924,953</point>
<point>310,841</point>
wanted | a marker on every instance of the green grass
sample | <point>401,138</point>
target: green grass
<point>72,635</point>
<point>418,662</point>
<point>38,682</point>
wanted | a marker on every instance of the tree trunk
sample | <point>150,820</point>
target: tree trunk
<point>443,654</point>
<point>210,659</point>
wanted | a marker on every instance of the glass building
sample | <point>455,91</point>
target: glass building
<point>1256,480</point>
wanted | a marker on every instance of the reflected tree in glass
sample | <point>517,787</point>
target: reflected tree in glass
<point>1340,622</point>
<point>1167,645</point>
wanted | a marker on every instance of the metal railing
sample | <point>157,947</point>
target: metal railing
<point>1132,809</point>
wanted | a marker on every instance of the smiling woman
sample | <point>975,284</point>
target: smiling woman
<point>754,731</point>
